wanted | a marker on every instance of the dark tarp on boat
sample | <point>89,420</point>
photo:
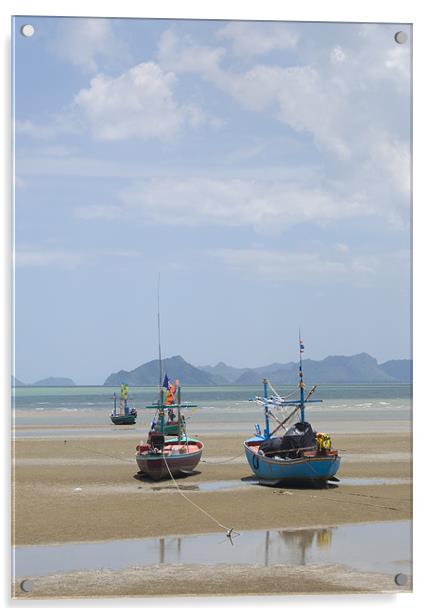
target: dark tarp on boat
<point>299,436</point>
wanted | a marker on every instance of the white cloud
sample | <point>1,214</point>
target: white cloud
<point>303,101</point>
<point>398,63</point>
<point>392,156</point>
<point>87,42</point>
<point>332,99</point>
<point>99,212</point>
<point>380,58</point>
<point>263,205</point>
<point>384,178</point>
<point>258,38</point>
<point>328,97</point>
<point>299,96</point>
<point>341,247</point>
<point>45,258</point>
<point>138,104</point>
<point>68,260</point>
<point>185,56</point>
<point>278,265</point>
<point>338,54</point>
<point>344,99</point>
<point>42,165</point>
<point>56,127</point>
<point>361,270</point>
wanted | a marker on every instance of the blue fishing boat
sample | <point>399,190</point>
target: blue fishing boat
<point>122,415</point>
<point>301,455</point>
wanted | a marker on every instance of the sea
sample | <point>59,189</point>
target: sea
<point>83,411</point>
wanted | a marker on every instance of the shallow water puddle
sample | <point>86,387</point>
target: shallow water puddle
<point>224,485</point>
<point>210,486</point>
<point>234,484</point>
<point>381,546</point>
<point>373,481</point>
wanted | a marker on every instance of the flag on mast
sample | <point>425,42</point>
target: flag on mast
<point>171,388</point>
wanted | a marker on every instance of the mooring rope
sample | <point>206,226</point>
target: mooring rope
<point>337,500</point>
<point>223,461</point>
<point>229,531</point>
<point>99,453</point>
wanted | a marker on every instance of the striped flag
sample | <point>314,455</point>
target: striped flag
<point>301,346</point>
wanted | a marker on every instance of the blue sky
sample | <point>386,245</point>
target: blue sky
<point>262,168</point>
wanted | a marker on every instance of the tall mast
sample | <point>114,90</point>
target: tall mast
<point>266,432</point>
<point>158,333</point>
<point>301,382</point>
<point>179,410</point>
<point>161,410</point>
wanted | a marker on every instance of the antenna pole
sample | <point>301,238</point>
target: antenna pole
<point>179,412</point>
<point>158,332</point>
<point>301,382</point>
<point>161,409</point>
<point>266,433</point>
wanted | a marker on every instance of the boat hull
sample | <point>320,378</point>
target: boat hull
<point>123,420</point>
<point>318,468</point>
<point>163,465</point>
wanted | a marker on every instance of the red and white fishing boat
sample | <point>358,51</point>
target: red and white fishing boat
<point>162,459</point>
<point>164,456</point>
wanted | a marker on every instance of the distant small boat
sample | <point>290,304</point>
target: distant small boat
<point>300,455</point>
<point>121,414</point>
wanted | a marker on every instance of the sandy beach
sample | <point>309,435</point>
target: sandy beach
<point>87,490</point>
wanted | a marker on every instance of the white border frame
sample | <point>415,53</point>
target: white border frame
<point>392,11</point>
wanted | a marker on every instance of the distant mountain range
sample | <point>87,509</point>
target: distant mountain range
<point>148,374</point>
<point>360,368</point>
<point>52,381</point>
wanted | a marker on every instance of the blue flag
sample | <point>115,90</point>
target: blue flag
<point>166,382</point>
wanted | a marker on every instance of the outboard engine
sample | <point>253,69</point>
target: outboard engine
<point>156,440</point>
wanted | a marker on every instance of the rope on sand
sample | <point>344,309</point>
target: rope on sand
<point>223,461</point>
<point>337,500</point>
<point>229,531</point>
<point>99,453</point>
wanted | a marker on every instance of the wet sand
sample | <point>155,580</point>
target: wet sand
<point>174,580</point>
<point>88,490</point>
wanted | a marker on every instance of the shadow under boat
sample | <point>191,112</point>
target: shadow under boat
<point>144,478</point>
<point>298,483</point>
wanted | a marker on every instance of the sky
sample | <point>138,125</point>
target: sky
<point>262,169</point>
